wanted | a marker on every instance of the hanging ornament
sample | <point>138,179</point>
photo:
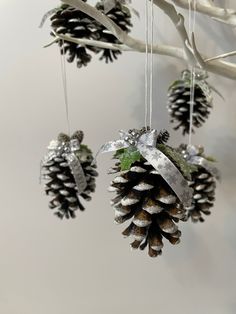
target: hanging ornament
<point>179,101</point>
<point>151,187</point>
<point>70,174</point>
<point>203,182</point>
<point>121,16</point>
<point>72,22</point>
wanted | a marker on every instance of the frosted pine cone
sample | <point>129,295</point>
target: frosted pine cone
<point>74,23</point>
<point>146,199</point>
<point>122,17</point>
<point>204,185</point>
<point>179,103</point>
<point>61,183</point>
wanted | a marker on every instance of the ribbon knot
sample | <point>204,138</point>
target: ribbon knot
<point>67,150</point>
<point>145,142</point>
<point>194,156</point>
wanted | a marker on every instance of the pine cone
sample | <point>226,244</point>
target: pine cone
<point>74,23</point>
<point>144,197</point>
<point>122,17</point>
<point>179,103</point>
<point>204,185</point>
<point>61,183</point>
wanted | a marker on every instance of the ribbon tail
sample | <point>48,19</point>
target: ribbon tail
<point>108,5</point>
<point>169,172</point>
<point>46,16</point>
<point>200,161</point>
<point>111,146</point>
<point>77,172</point>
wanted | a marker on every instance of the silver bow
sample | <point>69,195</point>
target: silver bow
<point>67,150</point>
<point>146,145</point>
<point>194,158</point>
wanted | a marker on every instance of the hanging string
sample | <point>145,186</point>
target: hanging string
<point>64,83</point>
<point>146,62</point>
<point>151,67</point>
<point>192,23</point>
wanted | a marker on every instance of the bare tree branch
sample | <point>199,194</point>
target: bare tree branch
<point>222,56</point>
<point>216,66</point>
<point>227,16</point>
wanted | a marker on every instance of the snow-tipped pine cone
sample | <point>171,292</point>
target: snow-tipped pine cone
<point>70,21</point>
<point>74,23</point>
<point>61,183</point>
<point>179,103</point>
<point>144,197</point>
<point>204,185</point>
<point>122,17</point>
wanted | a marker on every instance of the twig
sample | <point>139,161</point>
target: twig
<point>227,16</point>
<point>178,21</point>
<point>89,42</point>
<point>222,56</point>
<point>170,51</point>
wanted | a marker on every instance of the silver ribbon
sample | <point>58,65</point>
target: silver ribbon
<point>47,15</point>
<point>146,145</point>
<point>200,77</point>
<point>110,4</point>
<point>67,150</point>
<point>194,158</point>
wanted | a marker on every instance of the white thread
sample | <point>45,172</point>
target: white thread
<point>146,62</point>
<point>192,23</point>
<point>64,83</point>
<point>192,94</point>
<point>151,68</point>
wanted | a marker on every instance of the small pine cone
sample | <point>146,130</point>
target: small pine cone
<point>122,17</point>
<point>74,23</point>
<point>204,185</point>
<point>179,103</point>
<point>144,197</point>
<point>61,183</point>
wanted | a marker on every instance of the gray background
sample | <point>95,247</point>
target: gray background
<point>85,266</point>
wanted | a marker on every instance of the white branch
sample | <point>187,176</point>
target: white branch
<point>166,50</point>
<point>88,42</point>
<point>222,56</point>
<point>220,67</point>
<point>178,21</point>
<point>227,16</point>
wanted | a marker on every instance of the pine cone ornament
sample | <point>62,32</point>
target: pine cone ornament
<point>179,101</point>
<point>68,165</point>
<point>203,183</point>
<point>74,23</point>
<point>144,197</point>
<point>121,16</point>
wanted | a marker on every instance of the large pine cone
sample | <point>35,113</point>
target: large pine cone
<point>61,183</point>
<point>122,17</point>
<point>204,185</point>
<point>144,197</point>
<point>179,104</point>
<point>74,23</point>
